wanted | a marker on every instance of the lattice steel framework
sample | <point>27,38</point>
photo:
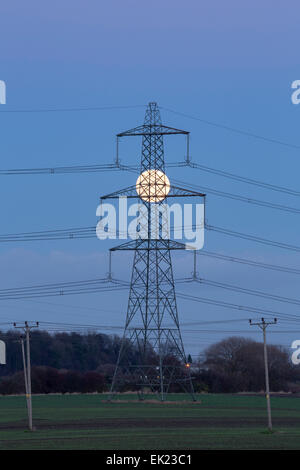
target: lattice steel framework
<point>152,323</point>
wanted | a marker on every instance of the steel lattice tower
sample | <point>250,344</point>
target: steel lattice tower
<point>152,323</point>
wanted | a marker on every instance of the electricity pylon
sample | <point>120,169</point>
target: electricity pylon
<point>152,324</point>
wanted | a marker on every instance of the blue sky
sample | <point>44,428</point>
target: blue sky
<point>228,62</point>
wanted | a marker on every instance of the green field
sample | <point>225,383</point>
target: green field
<point>90,422</point>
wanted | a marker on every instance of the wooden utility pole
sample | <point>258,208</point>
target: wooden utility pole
<point>27,367</point>
<point>263,326</point>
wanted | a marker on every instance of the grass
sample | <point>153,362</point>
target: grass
<point>90,422</point>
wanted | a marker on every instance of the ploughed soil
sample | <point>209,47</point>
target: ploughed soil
<point>118,423</point>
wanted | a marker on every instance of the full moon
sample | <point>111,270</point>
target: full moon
<point>153,186</point>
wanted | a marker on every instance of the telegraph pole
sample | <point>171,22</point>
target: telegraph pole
<point>263,326</point>
<point>27,367</point>
<point>25,372</point>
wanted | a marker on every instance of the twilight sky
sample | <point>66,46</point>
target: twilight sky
<point>230,63</point>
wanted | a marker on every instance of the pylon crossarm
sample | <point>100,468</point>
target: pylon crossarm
<point>175,191</point>
<point>141,244</point>
<point>128,192</point>
<point>151,129</point>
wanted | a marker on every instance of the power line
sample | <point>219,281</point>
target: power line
<point>244,179</point>
<point>255,264</point>
<point>66,327</point>
<point>91,168</point>
<point>59,234</point>
<point>245,199</point>
<point>61,170</point>
<point>105,285</point>
<point>89,232</point>
<point>63,284</point>
<point>244,290</point>
<point>113,167</point>
<point>233,306</point>
<point>60,289</point>
<point>64,288</point>
<point>96,168</point>
<point>209,322</point>
<point>76,109</point>
<point>63,293</point>
<point>108,108</point>
<point>254,238</point>
<point>233,129</point>
<point>86,326</point>
<point>105,328</point>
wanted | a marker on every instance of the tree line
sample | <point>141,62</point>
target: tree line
<point>236,364</point>
<point>74,362</point>
<point>71,351</point>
